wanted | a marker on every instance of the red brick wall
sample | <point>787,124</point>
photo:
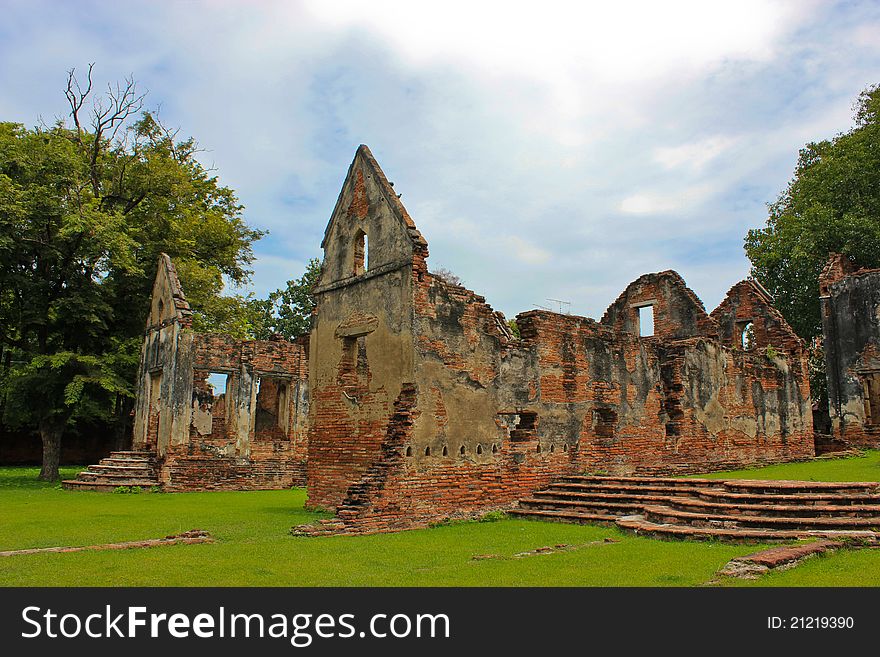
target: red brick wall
<point>602,400</point>
<point>274,459</point>
<point>478,418</point>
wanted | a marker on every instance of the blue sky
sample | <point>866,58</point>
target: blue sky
<point>545,150</point>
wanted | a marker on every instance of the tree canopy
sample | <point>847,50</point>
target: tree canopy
<point>288,310</point>
<point>86,206</point>
<point>831,204</point>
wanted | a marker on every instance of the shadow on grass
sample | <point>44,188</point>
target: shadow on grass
<point>25,477</point>
<point>296,511</point>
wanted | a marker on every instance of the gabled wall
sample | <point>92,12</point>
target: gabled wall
<point>361,344</point>
<point>678,313</point>
<point>253,436</point>
<point>164,385</point>
<point>850,307</point>
<point>462,417</point>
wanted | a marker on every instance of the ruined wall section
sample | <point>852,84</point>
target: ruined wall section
<point>737,408</point>
<point>253,434</point>
<point>425,406</point>
<point>599,390</point>
<point>748,306</point>
<point>492,418</point>
<point>850,308</point>
<point>678,312</point>
<point>250,435</point>
<point>651,406</point>
<point>464,438</point>
<point>163,383</point>
<point>361,340</point>
<point>162,410</point>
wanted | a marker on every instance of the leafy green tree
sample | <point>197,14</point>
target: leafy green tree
<point>287,311</point>
<point>831,204</point>
<point>85,210</point>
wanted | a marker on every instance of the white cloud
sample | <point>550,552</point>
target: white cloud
<point>524,251</point>
<point>694,155</point>
<point>658,203</point>
<point>555,149</point>
<point>630,40</point>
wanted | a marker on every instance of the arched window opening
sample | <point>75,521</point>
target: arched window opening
<point>494,448</point>
<point>479,449</point>
<point>747,338</point>
<point>409,451</point>
<point>427,451</point>
<point>361,253</point>
<point>445,450</point>
<point>462,450</point>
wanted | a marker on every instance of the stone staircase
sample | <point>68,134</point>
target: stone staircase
<point>119,469</point>
<point>743,510</point>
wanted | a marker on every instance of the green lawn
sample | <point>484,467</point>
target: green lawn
<point>254,548</point>
<point>864,468</point>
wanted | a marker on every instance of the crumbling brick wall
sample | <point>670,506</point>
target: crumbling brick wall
<point>250,435</point>
<point>253,435</point>
<point>467,418</point>
<point>850,308</point>
<point>361,343</point>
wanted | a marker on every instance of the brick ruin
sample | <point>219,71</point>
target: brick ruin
<point>218,413</point>
<point>850,308</point>
<point>424,405</point>
<point>412,400</point>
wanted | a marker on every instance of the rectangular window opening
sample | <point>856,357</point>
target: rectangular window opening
<point>272,407</point>
<point>646,321</point>
<point>871,393</point>
<point>218,382</point>
<point>209,394</point>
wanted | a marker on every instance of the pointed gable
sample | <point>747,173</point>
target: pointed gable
<point>369,229</point>
<point>748,306</point>
<point>168,302</point>
<point>677,311</point>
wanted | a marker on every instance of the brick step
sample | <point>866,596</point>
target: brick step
<point>640,525</point>
<point>132,454</point>
<point>101,468</point>
<point>618,508</point>
<point>123,468</point>
<point>645,489</point>
<point>801,498</point>
<point>104,485</point>
<point>563,516</point>
<point>770,508</point>
<point>634,498</point>
<point>666,515</point>
<point>783,487</point>
<point>88,475</point>
<point>132,461</point>
<point>708,508</point>
<point>642,481</point>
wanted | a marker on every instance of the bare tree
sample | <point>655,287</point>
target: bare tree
<point>107,116</point>
<point>446,275</point>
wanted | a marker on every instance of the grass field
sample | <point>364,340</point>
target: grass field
<point>254,547</point>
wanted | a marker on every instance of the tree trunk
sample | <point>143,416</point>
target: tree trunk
<point>51,430</point>
<point>122,424</point>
